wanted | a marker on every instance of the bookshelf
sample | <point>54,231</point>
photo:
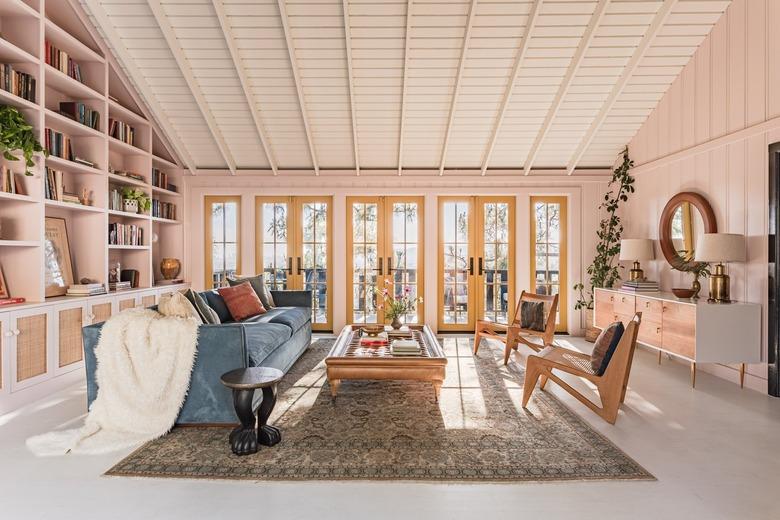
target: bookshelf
<point>30,32</point>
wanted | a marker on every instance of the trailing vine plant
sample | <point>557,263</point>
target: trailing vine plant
<point>17,134</point>
<point>604,272</point>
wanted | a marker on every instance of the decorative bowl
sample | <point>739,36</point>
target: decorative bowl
<point>683,292</point>
<point>373,330</point>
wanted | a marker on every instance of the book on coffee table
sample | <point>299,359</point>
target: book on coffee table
<point>374,341</point>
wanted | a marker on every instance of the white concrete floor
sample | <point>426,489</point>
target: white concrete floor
<point>713,450</point>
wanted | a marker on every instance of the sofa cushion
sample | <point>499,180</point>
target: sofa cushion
<point>263,339</point>
<point>242,301</point>
<point>293,317</point>
<point>206,313</point>
<point>216,302</point>
<point>258,284</point>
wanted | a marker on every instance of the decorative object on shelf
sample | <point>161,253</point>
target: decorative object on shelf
<point>603,272</point>
<point>87,197</point>
<point>114,272</point>
<point>372,330</point>
<point>11,182</point>
<point>130,205</point>
<point>132,276</point>
<point>17,134</point>
<point>683,293</point>
<point>396,307</point>
<point>142,200</point>
<point>170,268</point>
<point>634,250</point>
<point>59,269</point>
<point>3,286</point>
<point>678,230</point>
<point>720,248</point>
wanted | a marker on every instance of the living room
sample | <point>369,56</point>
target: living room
<point>506,257</point>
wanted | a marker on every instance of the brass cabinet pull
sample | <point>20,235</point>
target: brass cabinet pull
<point>612,298</point>
<point>647,304</point>
<point>658,330</point>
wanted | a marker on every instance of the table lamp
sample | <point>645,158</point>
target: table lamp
<point>634,250</point>
<point>720,248</point>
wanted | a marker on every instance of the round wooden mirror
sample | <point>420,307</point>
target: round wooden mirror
<point>685,218</point>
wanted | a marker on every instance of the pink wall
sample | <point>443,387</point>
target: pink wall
<point>710,134</point>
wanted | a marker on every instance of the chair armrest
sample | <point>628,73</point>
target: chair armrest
<point>292,298</point>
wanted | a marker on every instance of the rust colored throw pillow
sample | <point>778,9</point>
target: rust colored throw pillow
<point>242,301</point>
<point>605,346</point>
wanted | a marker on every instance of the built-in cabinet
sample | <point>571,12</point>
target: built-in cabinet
<point>41,347</point>
<point>697,331</point>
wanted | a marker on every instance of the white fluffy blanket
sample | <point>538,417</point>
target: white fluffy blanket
<point>144,361</point>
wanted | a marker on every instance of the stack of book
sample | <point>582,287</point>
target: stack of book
<point>81,113</point>
<point>58,144</point>
<point>119,286</point>
<point>639,286</point>
<point>17,83</point>
<point>163,209</point>
<point>405,347</point>
<point>11,182</point>
<point>86,289</point>
<point>121,130</point>
<point>62,62</point>
<point>374,341</point>
<point>125,234</point>
<point>160,180</point>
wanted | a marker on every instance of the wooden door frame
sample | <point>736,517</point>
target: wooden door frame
<point>479,246</point>
<point>472,320</point>
<point>208,200</point>
<point>388,202</point>
<point>265,199</point>
<point>563,249</point>
<point>350,245</point>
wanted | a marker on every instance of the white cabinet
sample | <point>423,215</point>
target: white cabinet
<point>149,298</point>
<point>29,347</point>
<point>99,310</point>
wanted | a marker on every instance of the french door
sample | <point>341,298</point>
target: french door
<point>293,249</point>
<point>384,251</point>
<point>548,251</point>
<point>476,261</point>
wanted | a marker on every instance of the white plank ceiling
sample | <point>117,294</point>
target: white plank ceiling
<point>401,85</point>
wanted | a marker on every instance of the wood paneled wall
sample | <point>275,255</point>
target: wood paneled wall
<point>710,134</point>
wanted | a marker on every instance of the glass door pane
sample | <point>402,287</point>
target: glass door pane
<point>364,260</point>
<point>222,233</point>
<point>495,269</point>
<point>548,251</point>
<point>457,264</point>
<point>314,258</point>
<point>276,257</point>
<point>404,256</point>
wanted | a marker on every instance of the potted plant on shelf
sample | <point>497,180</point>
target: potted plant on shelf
<point>135,200</point>
<point>17,134</point>
<point>396,306</point>
<point>604,271</point>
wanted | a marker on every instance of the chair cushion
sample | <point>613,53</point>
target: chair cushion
<point>262,339</point>
<point>292,317</point>
<point>206,313</point>
<point>242,301</point>
<point>532,316</point>
<point>258,284</point>
<point>605,347</point>
<point>216,302</point>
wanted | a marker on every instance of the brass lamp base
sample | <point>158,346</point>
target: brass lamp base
<point>719,286</point>
<point>636,274</point>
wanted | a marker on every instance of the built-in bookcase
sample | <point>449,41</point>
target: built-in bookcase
<point>29,29</point>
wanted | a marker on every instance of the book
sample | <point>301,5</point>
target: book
<point>374,341</point>
<point>18,83</point>
<point>61,61</point>
<point>11,301</point>
<point>80,113</point>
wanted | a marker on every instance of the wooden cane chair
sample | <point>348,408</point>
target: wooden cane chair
<point>611,386</point>
<point>513,334</point>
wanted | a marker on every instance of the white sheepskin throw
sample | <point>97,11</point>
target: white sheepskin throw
<point>144,361</point>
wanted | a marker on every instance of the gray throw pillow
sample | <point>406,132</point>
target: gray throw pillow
<point>217,303</point>
<point>532,316</point>
<point>206,313</point>
<point>258,284</point>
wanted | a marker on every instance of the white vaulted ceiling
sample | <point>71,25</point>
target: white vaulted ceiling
<point>403,84</point>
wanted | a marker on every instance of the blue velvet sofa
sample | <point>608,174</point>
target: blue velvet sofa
<point>275,339</point>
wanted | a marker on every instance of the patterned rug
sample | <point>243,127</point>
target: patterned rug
<point>396,431</point>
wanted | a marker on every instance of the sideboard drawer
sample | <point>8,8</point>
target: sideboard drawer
<point>650,332</point>
<point>650,308</point>
<point>625,305</point>
<point>679,329</point>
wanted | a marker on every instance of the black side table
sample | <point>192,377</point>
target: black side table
<point>244,382</point>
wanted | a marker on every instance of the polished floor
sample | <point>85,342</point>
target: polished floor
<point>713,450</point>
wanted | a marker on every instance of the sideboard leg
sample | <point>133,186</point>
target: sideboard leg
<point>742,375</point>
<point>659,356</point>
<point>693,374</point>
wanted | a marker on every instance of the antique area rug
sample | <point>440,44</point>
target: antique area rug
<point>396,431</point>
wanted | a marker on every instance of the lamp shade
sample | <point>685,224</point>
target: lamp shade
<point>720,247</point>
<point>632,249</point>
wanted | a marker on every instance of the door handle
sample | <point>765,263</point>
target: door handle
<point>471,266</point>
<point>300,265</point>
<point>480,267</point>
<point>380,269</point>
<point>390,268</point>
<point>289,265</point>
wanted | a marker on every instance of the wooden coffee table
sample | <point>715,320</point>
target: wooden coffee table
<point>349,360</point>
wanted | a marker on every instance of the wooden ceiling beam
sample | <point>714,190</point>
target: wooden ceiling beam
<point>519,58</point>
<point>456,92</point>
<point>351,83</point>
<point>298,86</point>
<point>658,21</point>
<point>404,85</point>
<point>230,40</point>
<point>192,83</point>
<point>563,89</point>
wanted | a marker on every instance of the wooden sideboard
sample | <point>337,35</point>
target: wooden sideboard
<point>697,331</point>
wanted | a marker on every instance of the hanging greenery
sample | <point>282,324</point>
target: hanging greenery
<point>17,134</point>
<point>604,272</point>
